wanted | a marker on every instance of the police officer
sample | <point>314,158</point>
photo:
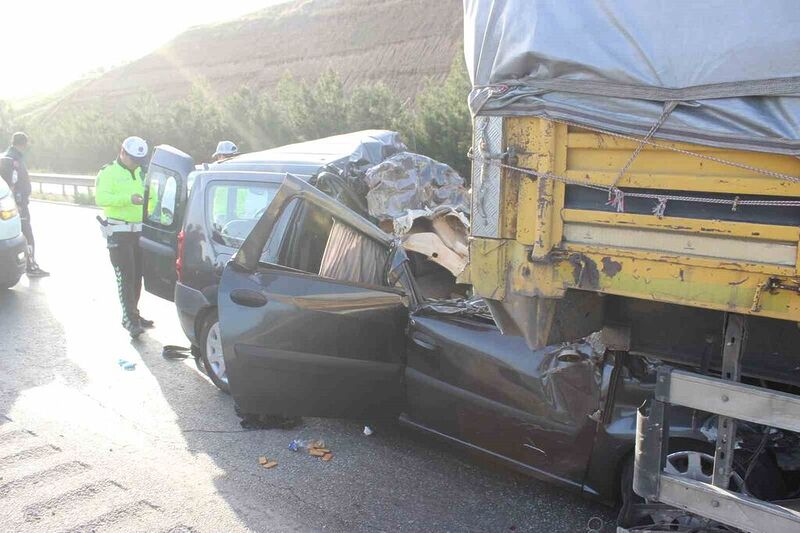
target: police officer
<point>119,190</point>
<point>15,172</point>
<point>225,150</point>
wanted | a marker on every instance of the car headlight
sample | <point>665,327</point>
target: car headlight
<point>8,207</point>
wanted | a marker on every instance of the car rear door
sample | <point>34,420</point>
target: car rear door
<point>165,203</point>
<point>309,325</point>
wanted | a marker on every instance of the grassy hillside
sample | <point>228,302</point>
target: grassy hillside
<point>297,71</point>
<point>398,42</point>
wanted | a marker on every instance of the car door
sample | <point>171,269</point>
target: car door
<point>165,203</point>
<point>532,408</point>
<point>309,326</point>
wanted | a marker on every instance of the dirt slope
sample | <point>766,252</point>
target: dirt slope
<point>398,41</point>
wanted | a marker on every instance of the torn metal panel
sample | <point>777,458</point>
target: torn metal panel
<point>546,321</point>
<point>409,181</point>
<point>474,306</point>
<point>441,235</point>
<point>450,223</point>
<point>431,246</point>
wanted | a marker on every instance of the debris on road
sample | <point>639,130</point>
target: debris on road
<point>267,463</point>
<point>315,448</point>
<point>368,431</point>
<point>126,365</point>
<point>306,444</point>
<point>175,352</point>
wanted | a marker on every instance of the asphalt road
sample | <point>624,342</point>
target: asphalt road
<point>87,446</point>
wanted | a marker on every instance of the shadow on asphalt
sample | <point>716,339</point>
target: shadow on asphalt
<point>395,480</point>
<point>28,340</point>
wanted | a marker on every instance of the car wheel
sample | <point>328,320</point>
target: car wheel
<point>211,352</point>
<point>694,460</point>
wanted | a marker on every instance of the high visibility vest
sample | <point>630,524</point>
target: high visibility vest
<point>114,187</point>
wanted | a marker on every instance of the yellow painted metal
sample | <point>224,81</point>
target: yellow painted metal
<point>534,260</point>
<point>745,230</point>
<point>524,137</point>
<point>487,267</point>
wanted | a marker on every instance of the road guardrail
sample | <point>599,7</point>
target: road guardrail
<point>64,180</point>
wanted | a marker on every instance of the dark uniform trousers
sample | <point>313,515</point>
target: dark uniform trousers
<point>126,257</point>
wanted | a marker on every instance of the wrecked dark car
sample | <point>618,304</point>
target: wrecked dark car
<point>323,314</point>
<point>202,215</point>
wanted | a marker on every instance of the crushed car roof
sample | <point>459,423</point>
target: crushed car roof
<point>367,147</point>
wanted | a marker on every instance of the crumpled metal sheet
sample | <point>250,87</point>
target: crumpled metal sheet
<point>409,181</point>
<point>473,306</point>
<point>445,213</point>
<point>441,234</point>
<point>612,64</point>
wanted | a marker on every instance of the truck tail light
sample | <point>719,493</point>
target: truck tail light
<point>179,256</point>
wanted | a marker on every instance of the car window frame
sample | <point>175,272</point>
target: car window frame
<point>208,203</point>
<point>292,225</point>
<point>179,201</point>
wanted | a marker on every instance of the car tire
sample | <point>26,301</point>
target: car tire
<point>629,516</point>
<point>4,285</point>
<point>211,352</point>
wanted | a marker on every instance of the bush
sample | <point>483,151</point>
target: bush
<point>83,139</point>
<point>443,123</point>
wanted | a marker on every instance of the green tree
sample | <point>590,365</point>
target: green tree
<point>314,111</point>
<point>377,107</point>
<point>443,123</point>
<point>6,123</point>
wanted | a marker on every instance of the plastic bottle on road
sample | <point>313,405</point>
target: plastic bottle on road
<point>305,444</point>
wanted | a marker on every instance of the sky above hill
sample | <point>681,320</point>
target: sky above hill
<point>45,44</point>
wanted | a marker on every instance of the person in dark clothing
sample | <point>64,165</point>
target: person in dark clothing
<point>15,173</point>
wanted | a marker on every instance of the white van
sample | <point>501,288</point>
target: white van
<point>13,246</point>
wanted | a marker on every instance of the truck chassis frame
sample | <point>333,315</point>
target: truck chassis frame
<point>731,401</point>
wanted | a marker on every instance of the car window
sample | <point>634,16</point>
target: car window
<point>309,239</point>
<point>304,245</point>
<point>273,246</point>
<point>234,208</point>
<point>163,195</point>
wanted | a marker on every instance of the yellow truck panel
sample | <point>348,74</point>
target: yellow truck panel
<point>548,247</point>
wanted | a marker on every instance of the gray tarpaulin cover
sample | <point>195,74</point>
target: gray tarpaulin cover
<point>733,65</point>
<point>411,181</point>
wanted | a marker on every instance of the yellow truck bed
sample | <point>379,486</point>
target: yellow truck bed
<point>554,236</point>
